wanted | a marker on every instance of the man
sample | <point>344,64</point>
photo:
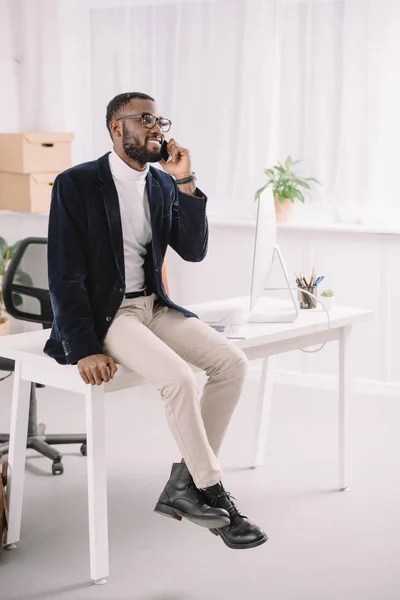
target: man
<point>111,221</point>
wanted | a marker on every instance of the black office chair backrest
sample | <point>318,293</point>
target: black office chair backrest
<point>25,284</point>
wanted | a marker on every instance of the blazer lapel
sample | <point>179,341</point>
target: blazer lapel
<point>156,202</point>
<point>111,203</point>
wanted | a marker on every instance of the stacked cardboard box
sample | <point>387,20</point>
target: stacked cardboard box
<point>29,163</point>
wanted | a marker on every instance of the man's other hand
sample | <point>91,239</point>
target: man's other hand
<point>97,368</point>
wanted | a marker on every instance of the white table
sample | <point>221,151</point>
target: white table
<point>261,341</point>
<point>264,340</point>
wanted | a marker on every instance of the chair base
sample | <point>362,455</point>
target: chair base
<point>41,443</point>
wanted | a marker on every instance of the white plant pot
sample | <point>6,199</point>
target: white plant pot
<point>328,301</point>
<point>5,327</point>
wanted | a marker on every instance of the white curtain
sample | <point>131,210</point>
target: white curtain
<point>9,71</point>
<point>203,62</point>
<point>245,82</point>
<point>31,96</point>
<point>340,101</point>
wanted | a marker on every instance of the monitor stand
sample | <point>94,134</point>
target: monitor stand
<point>276,310</point>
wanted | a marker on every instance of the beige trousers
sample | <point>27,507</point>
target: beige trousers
<point>157,342</point>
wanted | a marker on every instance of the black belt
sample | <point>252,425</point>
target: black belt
<point>137,294</point>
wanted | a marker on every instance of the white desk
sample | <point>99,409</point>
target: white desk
<point>264,340</point>
<point>261,341</point>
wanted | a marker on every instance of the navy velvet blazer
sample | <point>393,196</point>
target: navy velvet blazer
<point>86,254</point>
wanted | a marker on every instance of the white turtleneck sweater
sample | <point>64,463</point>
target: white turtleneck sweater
<point>135,217</point>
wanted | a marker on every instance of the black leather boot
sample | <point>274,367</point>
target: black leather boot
<point>241,533</point>
<point>181,498</point>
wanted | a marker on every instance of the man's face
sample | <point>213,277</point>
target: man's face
<point>140,143</point>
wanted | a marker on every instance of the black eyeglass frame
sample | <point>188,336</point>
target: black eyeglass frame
<point>155,120</point>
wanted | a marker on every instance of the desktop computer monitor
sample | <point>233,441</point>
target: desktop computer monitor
<point>259,309</point>
<point>262,309</point>
<point>264,246</point>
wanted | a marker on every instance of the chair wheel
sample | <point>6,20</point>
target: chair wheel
<point>84,450</point>
<point>57,468</point>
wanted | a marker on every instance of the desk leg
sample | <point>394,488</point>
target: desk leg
<point>263,412</point>
<point>17,455</point>
<point>97,483</point>
<point>344,393</point>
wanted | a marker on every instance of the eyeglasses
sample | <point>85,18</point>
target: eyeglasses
<point>149,120</point>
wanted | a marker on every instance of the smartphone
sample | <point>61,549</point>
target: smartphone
<point>164,151</point>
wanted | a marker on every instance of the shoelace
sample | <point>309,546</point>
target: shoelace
<point>226,497</point>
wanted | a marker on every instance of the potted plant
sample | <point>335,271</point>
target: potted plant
<point>328,299</point>
<point>287,187</point>
<point>6,254</point>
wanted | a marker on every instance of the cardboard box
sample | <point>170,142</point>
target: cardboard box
<point>35,152</point>
<point>26,193</point>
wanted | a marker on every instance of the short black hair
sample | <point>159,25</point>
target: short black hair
<point>115,105</point>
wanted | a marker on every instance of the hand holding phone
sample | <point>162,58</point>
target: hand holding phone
<point>175,159</point>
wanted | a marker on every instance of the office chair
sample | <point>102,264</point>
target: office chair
<point>26,296</point>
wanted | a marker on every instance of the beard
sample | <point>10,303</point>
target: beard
<point>137,151</point>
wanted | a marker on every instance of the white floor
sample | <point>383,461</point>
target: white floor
<point>324,545</point>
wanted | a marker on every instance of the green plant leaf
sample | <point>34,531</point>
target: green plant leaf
<point>298,194</point>
<point>17,299</point>
<point>23,278</point>
<point>12,249</point>
<point>303,184</point>
<point>270,173</point>
<point>3,247</point>
<point>289,194</point>
<point>285,182</point>
<point>288,162</point>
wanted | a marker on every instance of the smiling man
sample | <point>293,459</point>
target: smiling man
<point>111,221</point>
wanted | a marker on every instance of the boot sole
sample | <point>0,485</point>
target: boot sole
<point>172,513</point>
<point>240,546</point>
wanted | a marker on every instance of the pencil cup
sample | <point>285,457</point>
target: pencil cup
<point>307,301</point>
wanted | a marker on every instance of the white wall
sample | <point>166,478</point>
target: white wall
<point>359,266</point>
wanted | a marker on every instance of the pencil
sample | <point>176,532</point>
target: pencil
<point>313,273</point>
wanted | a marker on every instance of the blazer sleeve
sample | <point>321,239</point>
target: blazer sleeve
<point>67,271</point>
<point>189,229</point>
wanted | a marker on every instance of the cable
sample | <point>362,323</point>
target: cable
<point>298,289</point>
<point>301,290</point>
<point>6,376</point>
<point>329,322</point>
